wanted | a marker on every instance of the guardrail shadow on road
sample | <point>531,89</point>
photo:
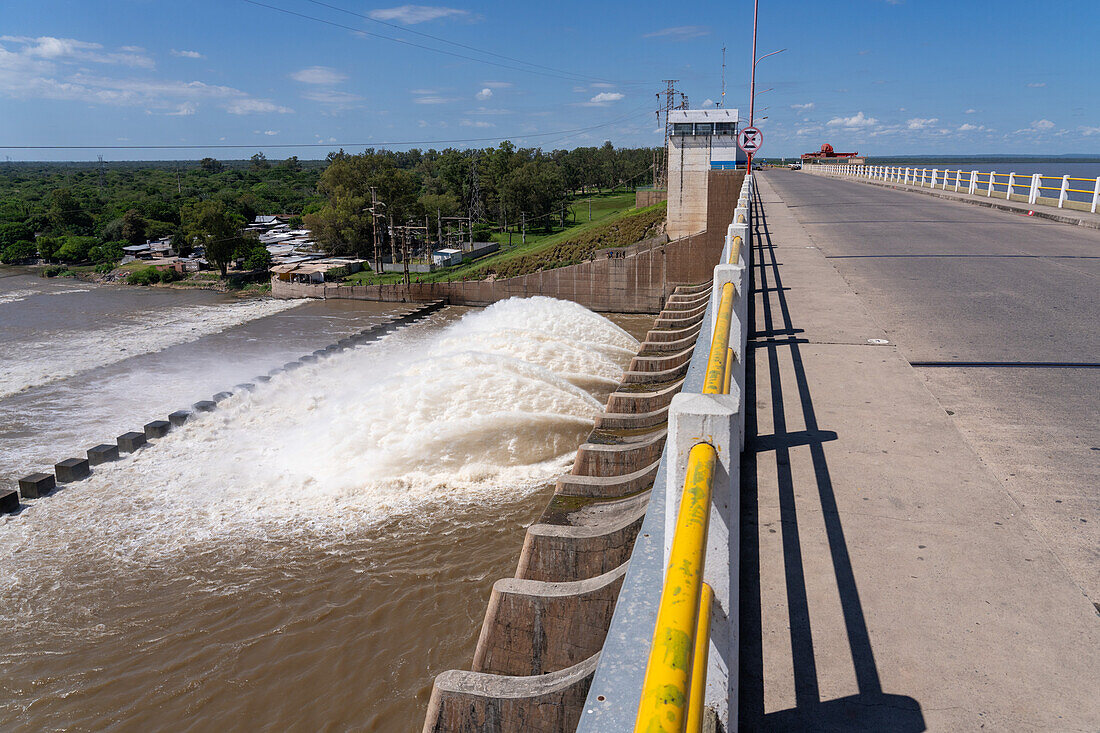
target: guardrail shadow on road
<point>871,709</point>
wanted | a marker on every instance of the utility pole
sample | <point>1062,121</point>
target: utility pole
<point>523,235</point>
<point>590,209</point>
<point>722,102</point>
<point>374,229</point>
<point>752,75</point>
<point>439,227</point>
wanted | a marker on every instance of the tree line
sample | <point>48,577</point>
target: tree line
<point>86,212</point>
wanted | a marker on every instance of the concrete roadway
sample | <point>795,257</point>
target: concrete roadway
<point>952,282</point>
<point>917,543</point>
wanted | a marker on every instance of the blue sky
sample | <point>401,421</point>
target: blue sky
<point>878,76</point>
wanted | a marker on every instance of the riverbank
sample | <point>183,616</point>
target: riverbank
<point>205,280</point>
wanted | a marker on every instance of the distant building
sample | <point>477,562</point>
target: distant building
<point>700,141</point>
<point>827,155</point>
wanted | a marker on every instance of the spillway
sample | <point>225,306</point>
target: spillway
<point>315,550</point>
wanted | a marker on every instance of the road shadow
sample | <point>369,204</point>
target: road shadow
<point>871,709</point>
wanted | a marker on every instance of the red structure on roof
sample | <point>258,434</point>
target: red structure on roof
<point>827,152</point>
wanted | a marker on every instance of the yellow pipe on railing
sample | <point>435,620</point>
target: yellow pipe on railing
<point>728,376</point>
<point>664,702</point>
<point>698,695</point>
<point>719,343</point>
<point>735,250</point>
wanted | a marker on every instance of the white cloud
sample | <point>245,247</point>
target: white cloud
<point>1037,84</point>
<point>921,123</point>
<point>484,94</point>
<point>1087,131</point>
<point>184,110</point>
<point>412,14</point>
<point>187,54</point>
<point>856,120</point>
<point>1043,124</point>
<point>266,132</point>
<point>604,98</point>
<point>806,106</point>
<point>971,111</point>
<point>333,98</point>
<point>323,75</point>
<point>497,84</point>
<point>707,103</point>
<point>967,127</point>
<point>74,51</point>
<point>680,32</point>
<point>602,85</point>
<point>255,106</point>
<point>423,91</point>
<point>475,123</point>
<point>56,69</point>
<point>433,100</point>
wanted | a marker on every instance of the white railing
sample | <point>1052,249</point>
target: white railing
<point>1069,192</point>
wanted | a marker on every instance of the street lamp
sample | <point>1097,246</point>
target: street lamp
<point>755,61</point>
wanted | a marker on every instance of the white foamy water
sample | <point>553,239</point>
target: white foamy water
<point>15,296</point>
<point>413,421</point>
<point>64,355</point>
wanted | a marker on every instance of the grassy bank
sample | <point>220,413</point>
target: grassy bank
<point>545,249</point>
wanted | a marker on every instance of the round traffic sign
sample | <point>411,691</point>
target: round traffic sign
<point>750,140</point>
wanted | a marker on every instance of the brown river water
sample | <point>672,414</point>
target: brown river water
<point>309,556</point>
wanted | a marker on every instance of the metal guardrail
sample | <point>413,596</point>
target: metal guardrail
<point>669,662</point>
<point>1009,186</point>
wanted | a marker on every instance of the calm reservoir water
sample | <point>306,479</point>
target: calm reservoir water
<point>309,556</point>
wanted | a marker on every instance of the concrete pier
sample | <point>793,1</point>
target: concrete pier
<point>103,453</point>
<point>130,442</point>
<point>37,485</point>
<point>179,417</point>
<point>221,397</point>
<point>204,406</point>
<point>157,428</point>
<point>9,501</point>
<point>71,469</point>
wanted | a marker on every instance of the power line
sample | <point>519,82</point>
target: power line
<point>571,77</point>
<point>405,29</point>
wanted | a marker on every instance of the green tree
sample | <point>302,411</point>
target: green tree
<point>292,164</point>
<point>65,214</point>
<point>75,249</point>
<point>258,258</point>
<point>133,227</point>
<point>536,189</point>
<point>259,162</point>
<point>217,229</point>
<point>211,165</point>
<point>14,231</point>
<point>17,252</point>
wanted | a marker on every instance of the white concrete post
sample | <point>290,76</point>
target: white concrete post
<point>934,172</point>
<point>1011,183</point>
<point>1062,195</point>
<point>1096,195</point>
<point>694,419</point>
<point>741,230</point>
<point>906,176</point>
<point>1033,193</point>
<point>958,178</point>
<point>989,189</point>
<point>973,183</point>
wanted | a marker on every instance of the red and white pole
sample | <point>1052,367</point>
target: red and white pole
<point>752,74</point>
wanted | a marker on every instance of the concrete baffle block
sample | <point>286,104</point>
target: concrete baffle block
<point>245,387</point>
<point>204,406</point>
<point>321,352</point>
<point>130,442</point>
<point>179,417</point>
<point>221,397</point>
<point>263,379</point>
<point>72,469</point>
<point>291,366</point>
<point>308,358</point>
<point>9,501</point>
<point>102,453</point>
<point>36,485</point>
<point>157,428</point>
